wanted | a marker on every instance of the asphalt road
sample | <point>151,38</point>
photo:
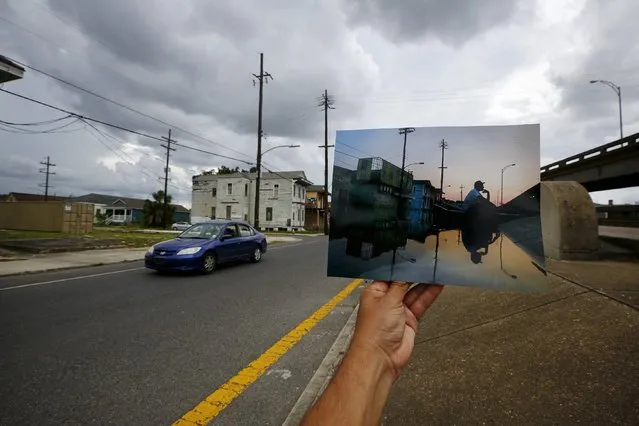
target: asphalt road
<point>122,345</point>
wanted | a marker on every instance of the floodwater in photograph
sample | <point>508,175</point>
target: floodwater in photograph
<point>504,262</point>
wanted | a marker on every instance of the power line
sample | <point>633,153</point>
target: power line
<point>115,126</point>
<point>128,108</point>
<point>37,123</point>
<point>17,129</point>
<point>47,171</point>
<point>347,154</point>
<point>121,75</point>
<point>131,162</point>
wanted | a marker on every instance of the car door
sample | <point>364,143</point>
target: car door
<point>228,248</point>
<point>247,244</point>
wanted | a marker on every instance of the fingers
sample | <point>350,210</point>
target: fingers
<point>414,293</point>
<point>424,299</point>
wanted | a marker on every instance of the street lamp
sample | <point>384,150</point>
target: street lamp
<point>413,164</point>
<point>280,146</point>
<point>256,219</point>
<point>617,90</point>
<point>501,203</point>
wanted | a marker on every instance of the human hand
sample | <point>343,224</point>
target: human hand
<point>387,320</point>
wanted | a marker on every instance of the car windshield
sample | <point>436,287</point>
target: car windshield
<point>201,230</point>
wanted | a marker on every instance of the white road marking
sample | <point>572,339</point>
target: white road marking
<point>284,374</point>
<point>70,279</point>
<point>123,270</point>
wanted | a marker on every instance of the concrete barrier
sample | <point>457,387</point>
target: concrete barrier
<point>569,224</point>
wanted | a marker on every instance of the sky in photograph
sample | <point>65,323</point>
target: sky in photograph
<point>189,66</point>
<point>473,153</point>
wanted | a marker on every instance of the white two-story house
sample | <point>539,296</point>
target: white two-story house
<point>232,196</point>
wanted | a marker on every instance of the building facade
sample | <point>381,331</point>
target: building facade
<point>423,200</point>
<point>232,196</point>
<point>315,207</point>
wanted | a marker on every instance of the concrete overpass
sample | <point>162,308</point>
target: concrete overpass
<point>611,166</point>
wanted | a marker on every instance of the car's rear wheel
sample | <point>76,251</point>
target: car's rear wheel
<point>257,254</point>
<point>209,263</point>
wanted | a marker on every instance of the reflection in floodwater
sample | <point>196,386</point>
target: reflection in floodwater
<point>419,252</point>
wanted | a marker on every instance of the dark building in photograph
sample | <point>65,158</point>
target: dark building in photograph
<point>424,195</point>
<point>377,187</point>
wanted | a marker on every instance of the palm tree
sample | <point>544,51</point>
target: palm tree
<point>153,210</point>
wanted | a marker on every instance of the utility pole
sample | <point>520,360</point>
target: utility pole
<point>47,171</point>
<point>262,77</point>
<point>166,178</point>
<point>443,145</point>
<point>326,103</point>
<point>461,192</point>
<point>403,131</point>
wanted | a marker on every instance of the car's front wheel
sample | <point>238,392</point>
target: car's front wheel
<point>257,254</point>
<point>209,263</point>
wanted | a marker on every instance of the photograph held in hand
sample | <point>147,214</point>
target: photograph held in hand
<point>445,205</point>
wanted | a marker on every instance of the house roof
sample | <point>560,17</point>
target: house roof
<point>297,175</point>
<point>315,188</point>
<point>23,196</point>
<point>111,200</point>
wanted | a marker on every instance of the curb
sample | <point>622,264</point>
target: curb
<point>324,373</point>
<point>68,268</point>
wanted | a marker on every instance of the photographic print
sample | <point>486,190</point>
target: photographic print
<point>446,205</point>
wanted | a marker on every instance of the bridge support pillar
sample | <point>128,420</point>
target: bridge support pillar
<point>569,224</point>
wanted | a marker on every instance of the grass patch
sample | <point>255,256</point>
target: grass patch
<point>123,237</point>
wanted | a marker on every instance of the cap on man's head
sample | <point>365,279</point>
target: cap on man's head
<point>479,183</point>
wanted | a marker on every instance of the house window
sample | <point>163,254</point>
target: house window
<point>269,214</point>
<point>228,211</point>
<point>214,192</point>
<point>246,189</point>
<point>212,212</point>
<point>229,189</point>
<point>294,190</point>
<point>276,190</point>
<point>293,215</point>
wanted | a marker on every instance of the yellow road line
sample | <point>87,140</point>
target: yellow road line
<point>207,410</point>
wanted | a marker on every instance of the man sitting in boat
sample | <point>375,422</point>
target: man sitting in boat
<point>474,196</point>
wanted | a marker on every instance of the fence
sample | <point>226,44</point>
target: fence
<point>53,216</point>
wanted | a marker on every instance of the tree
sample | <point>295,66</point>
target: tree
<point>153,210</point>
<point>224,170</point>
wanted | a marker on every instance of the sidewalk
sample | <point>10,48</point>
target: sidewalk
<point>27,264</point>
<point>568,356</point>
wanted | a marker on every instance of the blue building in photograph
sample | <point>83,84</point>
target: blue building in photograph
<point>421,206</point>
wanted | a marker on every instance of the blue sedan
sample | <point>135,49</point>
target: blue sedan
<point>204,246</point>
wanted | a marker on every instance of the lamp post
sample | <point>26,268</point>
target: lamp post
<point>256,219</point>
<point>501,203</point>
<point>413,164</point>
<point>617,90</point>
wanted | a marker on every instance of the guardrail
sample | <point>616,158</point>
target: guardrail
<point>628,141</point>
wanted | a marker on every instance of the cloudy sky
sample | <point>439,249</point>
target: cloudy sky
<point>189,65</point>
<point>473,153</point>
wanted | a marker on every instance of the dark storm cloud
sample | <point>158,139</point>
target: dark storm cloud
<point>453,21</point>
<point>192,67</point>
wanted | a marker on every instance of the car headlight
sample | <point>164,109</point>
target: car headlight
<point>150,250</point>
<point>190,250</point>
